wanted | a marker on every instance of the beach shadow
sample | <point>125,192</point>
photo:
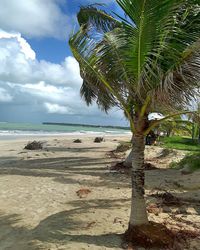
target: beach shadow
<point>76,149</point>
<point>56,163</point>
<point>65,170</point>
<point>67,227</point>
<point>8,159</point>
<point>60,228</point>
<point>15,237</point>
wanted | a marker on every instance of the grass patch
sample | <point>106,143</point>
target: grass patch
<point>180,143</point>
<point>191,161</point>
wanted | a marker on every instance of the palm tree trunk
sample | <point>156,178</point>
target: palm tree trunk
<point>129,159</point>
<point>138,214</point>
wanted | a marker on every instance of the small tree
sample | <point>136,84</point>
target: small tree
<point>194,118</point>
<point>141,62</point>
<point>176,126</point>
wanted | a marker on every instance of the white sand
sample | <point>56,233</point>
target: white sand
<point>40,209</point>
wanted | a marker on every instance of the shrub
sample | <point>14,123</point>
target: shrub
<point>192,161</point>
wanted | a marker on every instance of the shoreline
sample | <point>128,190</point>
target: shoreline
<point>60,135</point>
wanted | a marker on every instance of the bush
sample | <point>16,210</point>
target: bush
<point>192,161</point>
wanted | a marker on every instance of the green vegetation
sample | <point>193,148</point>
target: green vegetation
<point>191,161</point>
<point>177,126</point>
<point>145,61</point>
<point>181,143</point>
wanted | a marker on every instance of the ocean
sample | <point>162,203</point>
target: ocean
<point>17,130</point>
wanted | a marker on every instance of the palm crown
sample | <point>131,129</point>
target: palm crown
<point>147,59</point>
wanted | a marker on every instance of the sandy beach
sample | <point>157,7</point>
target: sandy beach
<point>40,207</point>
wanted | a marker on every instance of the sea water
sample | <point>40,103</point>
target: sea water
<point>16,130</point>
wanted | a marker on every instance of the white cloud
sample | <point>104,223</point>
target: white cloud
<point>41,86</point>
<point>48,92</point>
<point>66,72</point>
<point>53,108</point>
<point>19,65</point>
<point>5,96</point>
<point>43,81</point>
<point>41,18</point>
<point>25,47</point>
<point>35,18</point>
<point>54,97</point>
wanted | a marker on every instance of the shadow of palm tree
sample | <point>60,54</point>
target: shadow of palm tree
<point>76,149</point>
<point>67,227</point>
<point>63,168</point>
<point>15,237</point>
<point>64,228</point>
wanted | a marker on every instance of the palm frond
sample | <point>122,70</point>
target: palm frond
<point>92,94</point>
<point>156,55</point>
<point>95,72</point>
<point>91,71</point>
<point>97,18</point>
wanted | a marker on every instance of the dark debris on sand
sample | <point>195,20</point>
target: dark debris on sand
<point>121,168</point>
<point>158,236</point>
<point>77,141</point>
<point>98,139</point>
<point>167,198</point>
<point>34,145</point>
<point>83,192</point>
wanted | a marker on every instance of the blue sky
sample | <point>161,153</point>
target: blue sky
<point>60,47</point>
<point>39,78</point>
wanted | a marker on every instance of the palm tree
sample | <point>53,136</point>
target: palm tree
<point>194,119</point>
<point>141,62</point>
<point>176,126</point>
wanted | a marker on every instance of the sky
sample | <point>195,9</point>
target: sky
<point>39,77</point>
